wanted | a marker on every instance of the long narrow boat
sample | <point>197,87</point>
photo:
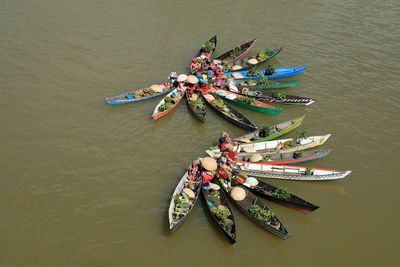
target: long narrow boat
<point>272,132</point>
<point>248,102</point>
<point>217,203</point>
<point>213,42</point>
<point>181,202</point>
<point>281,98</point>
<point>236,53</point>
<point>138,95</point>
<point>251,204</point>
<point>228,112</point>
<point>290,158</point>
<point>279,73</point>
<point>271,85</point>
<point>275,146</point>
<point>280,195</point>
<point>161,109</point>
<point>289,172</point>
<point>256,60</point>
<point>196,105</point>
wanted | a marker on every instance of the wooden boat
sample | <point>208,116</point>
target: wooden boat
<point>159,112</point>
<point>229,113</point>
<point>289,172</point>
<point>275,146</point>
<point>248,102</point>
<point>272,132</point>
<point>281,196</point>
<point>178,211</point>
<point>137,95</point>
<point>246,205</point>
<point>290,158</point>
<point>236,53</point>
<point>271,85</point>
<point>196,105</point>
<point>279,73</point>
<point>270,53</point>
<point>213,40</point>
<point>281,98</point>
<point>216,200</point>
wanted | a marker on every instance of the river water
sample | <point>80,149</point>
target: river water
<point>86,184</point>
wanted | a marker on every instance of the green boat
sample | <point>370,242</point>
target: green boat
<point>271,132</point>
<point>271,85</point>
<point>248,102</point>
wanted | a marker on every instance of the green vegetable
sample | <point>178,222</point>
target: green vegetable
<point>308,171</point>
<point>208,46</point>
<point>165,106</point>
<point>235,52</point>
<point>218,103</point>
<point>262,214</point>
<point>263,81</point>
<point>289,144</point>
<point>263,55</point>
<point>245,99</point>
<point>281,193</point>
<point>279,95</point>
<point>223,215</point>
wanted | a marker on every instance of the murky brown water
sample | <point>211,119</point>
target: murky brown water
<point>86,184</point>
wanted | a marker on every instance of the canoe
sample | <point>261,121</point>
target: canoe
<point>275,146</point>
<point>217,200</point>
<point>137,95</point>
<point>271,85</point>
<point>213,40</point>
<point>248,65</point>
<point>290,158</point>
<point>157,113</point>
<point>280,73</point>
<point>289,172</point>
<point>229,113</point>
<point>196,106</point>
<point>280,195</point>
<point>272,132</point>
<point>248,102</point>
<point>231,55</point>
<point>178,211</point>
<point>252,202</point>
<point>280,98</point>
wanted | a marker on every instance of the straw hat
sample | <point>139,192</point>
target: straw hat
<point>256,158</point>
<point>156,88</point>
<point>236,67</point>
<point>237,75</point>
<point>252,61</point>
<point>192,79</point>
<point>238,193</point>
<point>252,181</point>
<point>189,192</point>
<point>213,186</point>
<point>209,164</point>
<point>249,149</point>
<point>181,78</point>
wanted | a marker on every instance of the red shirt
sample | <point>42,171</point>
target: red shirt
<point>206,177</point>
<point>222,174</point>
<point>204,89</point>
<point>233,155</point>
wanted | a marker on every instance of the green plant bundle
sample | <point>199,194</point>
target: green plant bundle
<point>262,214</point>
<point>263,55</point>
<point>227,68</point>
<point>217,102</point>
<point>281,193</point>
<point>289,144</point>
<point>165,106</point>
<point>268,129</point>
<point>223,215</point>
<point>309,171</point>
<point>235,52</point>
<point>208,46</point>
<point>302,134</point>
<point>245,99</point>
<point>263,81</point>
<point>280,96</point>
<point>215,195</point>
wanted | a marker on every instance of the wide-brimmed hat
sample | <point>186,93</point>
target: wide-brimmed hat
<point>237,75</point>
<point>256,158</point>
<point>251,181</point>
<point>238,193</point>
<point>252,61</point>
<point>236,67</point>
<point>189,192</point>
<point>192,79</point>
<point>156,88</point>
<point>209,164</point>
<point>213,186</point>
<point>181,78</point>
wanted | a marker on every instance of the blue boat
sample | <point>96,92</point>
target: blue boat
<point>279,73</point>
<point>139,95</point>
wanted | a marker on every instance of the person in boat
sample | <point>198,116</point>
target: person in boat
<point>191,88</point>
<point>195,66</point>
<point>219,77</point>
<point>206,177</point>
<point>279,146</point>
<point>192,174</point>
<point>223,159</point>
<point>222,138</point>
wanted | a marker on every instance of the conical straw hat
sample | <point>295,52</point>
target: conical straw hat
<point>236,67</point>
<point>237,75</point>
<point>213,186</point>
<point>252,61</point>
<point>209,164</point>
<point>252,181</point>
<point>156,88</point>
<point>192,79</point>
<point>256,158</point>
<point>238,193</point>
<point>181,78</point>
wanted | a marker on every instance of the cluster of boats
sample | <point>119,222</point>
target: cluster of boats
<point>220,83</point>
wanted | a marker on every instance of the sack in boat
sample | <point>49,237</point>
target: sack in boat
<point>237,75</point>
<point>238,193</point>
<point>256,158</point>
<point>157,88</point>
<point>252,61</point>
<point>236,67</point>
<point>189,192</point>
